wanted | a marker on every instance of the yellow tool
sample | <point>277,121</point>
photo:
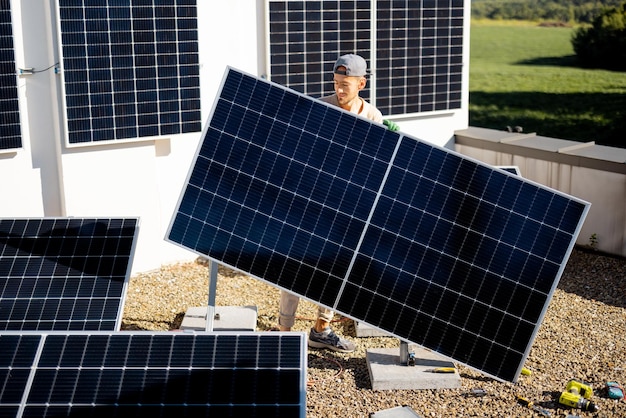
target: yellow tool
<point>577,395</point>
<point>442,370</point>
<point>531,405</point>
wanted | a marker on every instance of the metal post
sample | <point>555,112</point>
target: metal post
<point>210,311</point>
<point>404,352</point>
<point>406,358</point>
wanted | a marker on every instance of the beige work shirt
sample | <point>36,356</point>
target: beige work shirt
<point>367,110</point>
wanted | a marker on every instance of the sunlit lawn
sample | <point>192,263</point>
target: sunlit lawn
<point>523,74</point>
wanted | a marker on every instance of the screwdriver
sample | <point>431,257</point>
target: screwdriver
<point>442,370</point>
<point>525,402</point>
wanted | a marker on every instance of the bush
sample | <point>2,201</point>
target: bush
<point>603,44</point>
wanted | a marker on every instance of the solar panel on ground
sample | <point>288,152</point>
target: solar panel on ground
<point>64,273</point>
<point>10,130</point>
<point>130,69</point>
<point>151,374</point>
<point>433,247</point>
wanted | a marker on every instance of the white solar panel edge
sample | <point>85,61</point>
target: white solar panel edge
<point>367,223</point>
<point>129,268</point>
<point>33,371</point>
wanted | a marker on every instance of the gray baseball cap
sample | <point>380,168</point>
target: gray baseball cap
<point>354,65</point>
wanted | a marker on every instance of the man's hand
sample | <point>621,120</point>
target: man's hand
<point>391,125</point>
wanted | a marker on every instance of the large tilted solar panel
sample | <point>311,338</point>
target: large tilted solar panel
<point>414,49</point>
<point>64,273</point>
<point>130,69</point>
<point>150,374</point>
<point>10,130</point>
<point>419,241</point>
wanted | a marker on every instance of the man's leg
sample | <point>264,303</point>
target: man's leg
<point>322,336</point>
<point>324,317</point>
<point>287,310</point>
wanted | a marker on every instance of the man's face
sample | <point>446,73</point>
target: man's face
<point>347,88</point>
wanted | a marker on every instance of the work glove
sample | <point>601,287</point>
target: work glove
<point>391,125</point>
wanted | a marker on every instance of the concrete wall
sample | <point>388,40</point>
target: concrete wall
<point>142,178</point>
<point>593,173</point>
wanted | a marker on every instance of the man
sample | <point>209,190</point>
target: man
<point>349,79</point>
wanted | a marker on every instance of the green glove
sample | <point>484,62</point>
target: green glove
<point>391,125</point>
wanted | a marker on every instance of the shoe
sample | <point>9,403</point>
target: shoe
<point>328,339</point>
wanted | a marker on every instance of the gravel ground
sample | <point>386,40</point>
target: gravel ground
<point>583,336</point>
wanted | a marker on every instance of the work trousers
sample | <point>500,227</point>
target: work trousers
<point>289,305</point>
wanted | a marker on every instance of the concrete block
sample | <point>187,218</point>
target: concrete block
<point>226,318</point>
<point>387,373</point>
<point>364,330</point>
<point>397,412</point>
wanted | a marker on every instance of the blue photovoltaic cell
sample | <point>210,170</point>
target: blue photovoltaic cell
<point>285,198</point>
<point>307,37</point>
<point>148,374</point>
<point>10,130</point>
<point>414,49</point>
<point>64,273</point>
<point>414,239</point>
<point>130,69</point>
<point>419,55</point>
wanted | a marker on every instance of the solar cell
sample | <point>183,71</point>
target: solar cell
<point>130,69</point>
<point>415,49</point>
<point>306,37</point>
<point>64,273</point>
<point>10,130</point>
<point>424,243</point>
<point>151,374</point>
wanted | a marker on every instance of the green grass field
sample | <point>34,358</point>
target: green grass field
<point>523,74</point>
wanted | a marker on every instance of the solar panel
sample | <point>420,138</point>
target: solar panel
<point>10,130</point>
<point>149,374</point>
<point>513,169</point>
<point>426,244</point>
<point>130,69</point>
<point>306,37</point>
<point>64,273</point>
<point>415,49</point>
<point>419,56</point>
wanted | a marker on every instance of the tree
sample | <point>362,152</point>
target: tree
<point>566,11</point>
<point>603,44</point>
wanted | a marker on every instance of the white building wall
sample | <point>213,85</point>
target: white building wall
<point>143,178</point>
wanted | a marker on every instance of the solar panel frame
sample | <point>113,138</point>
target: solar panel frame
<point>150,373</point>
<point>130,70</point>
<point>429,245</point>
<point>10,126</point>
<point>513,169</point>
<point>65,273</point>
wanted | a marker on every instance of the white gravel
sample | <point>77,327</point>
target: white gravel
<point>583,336</point>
